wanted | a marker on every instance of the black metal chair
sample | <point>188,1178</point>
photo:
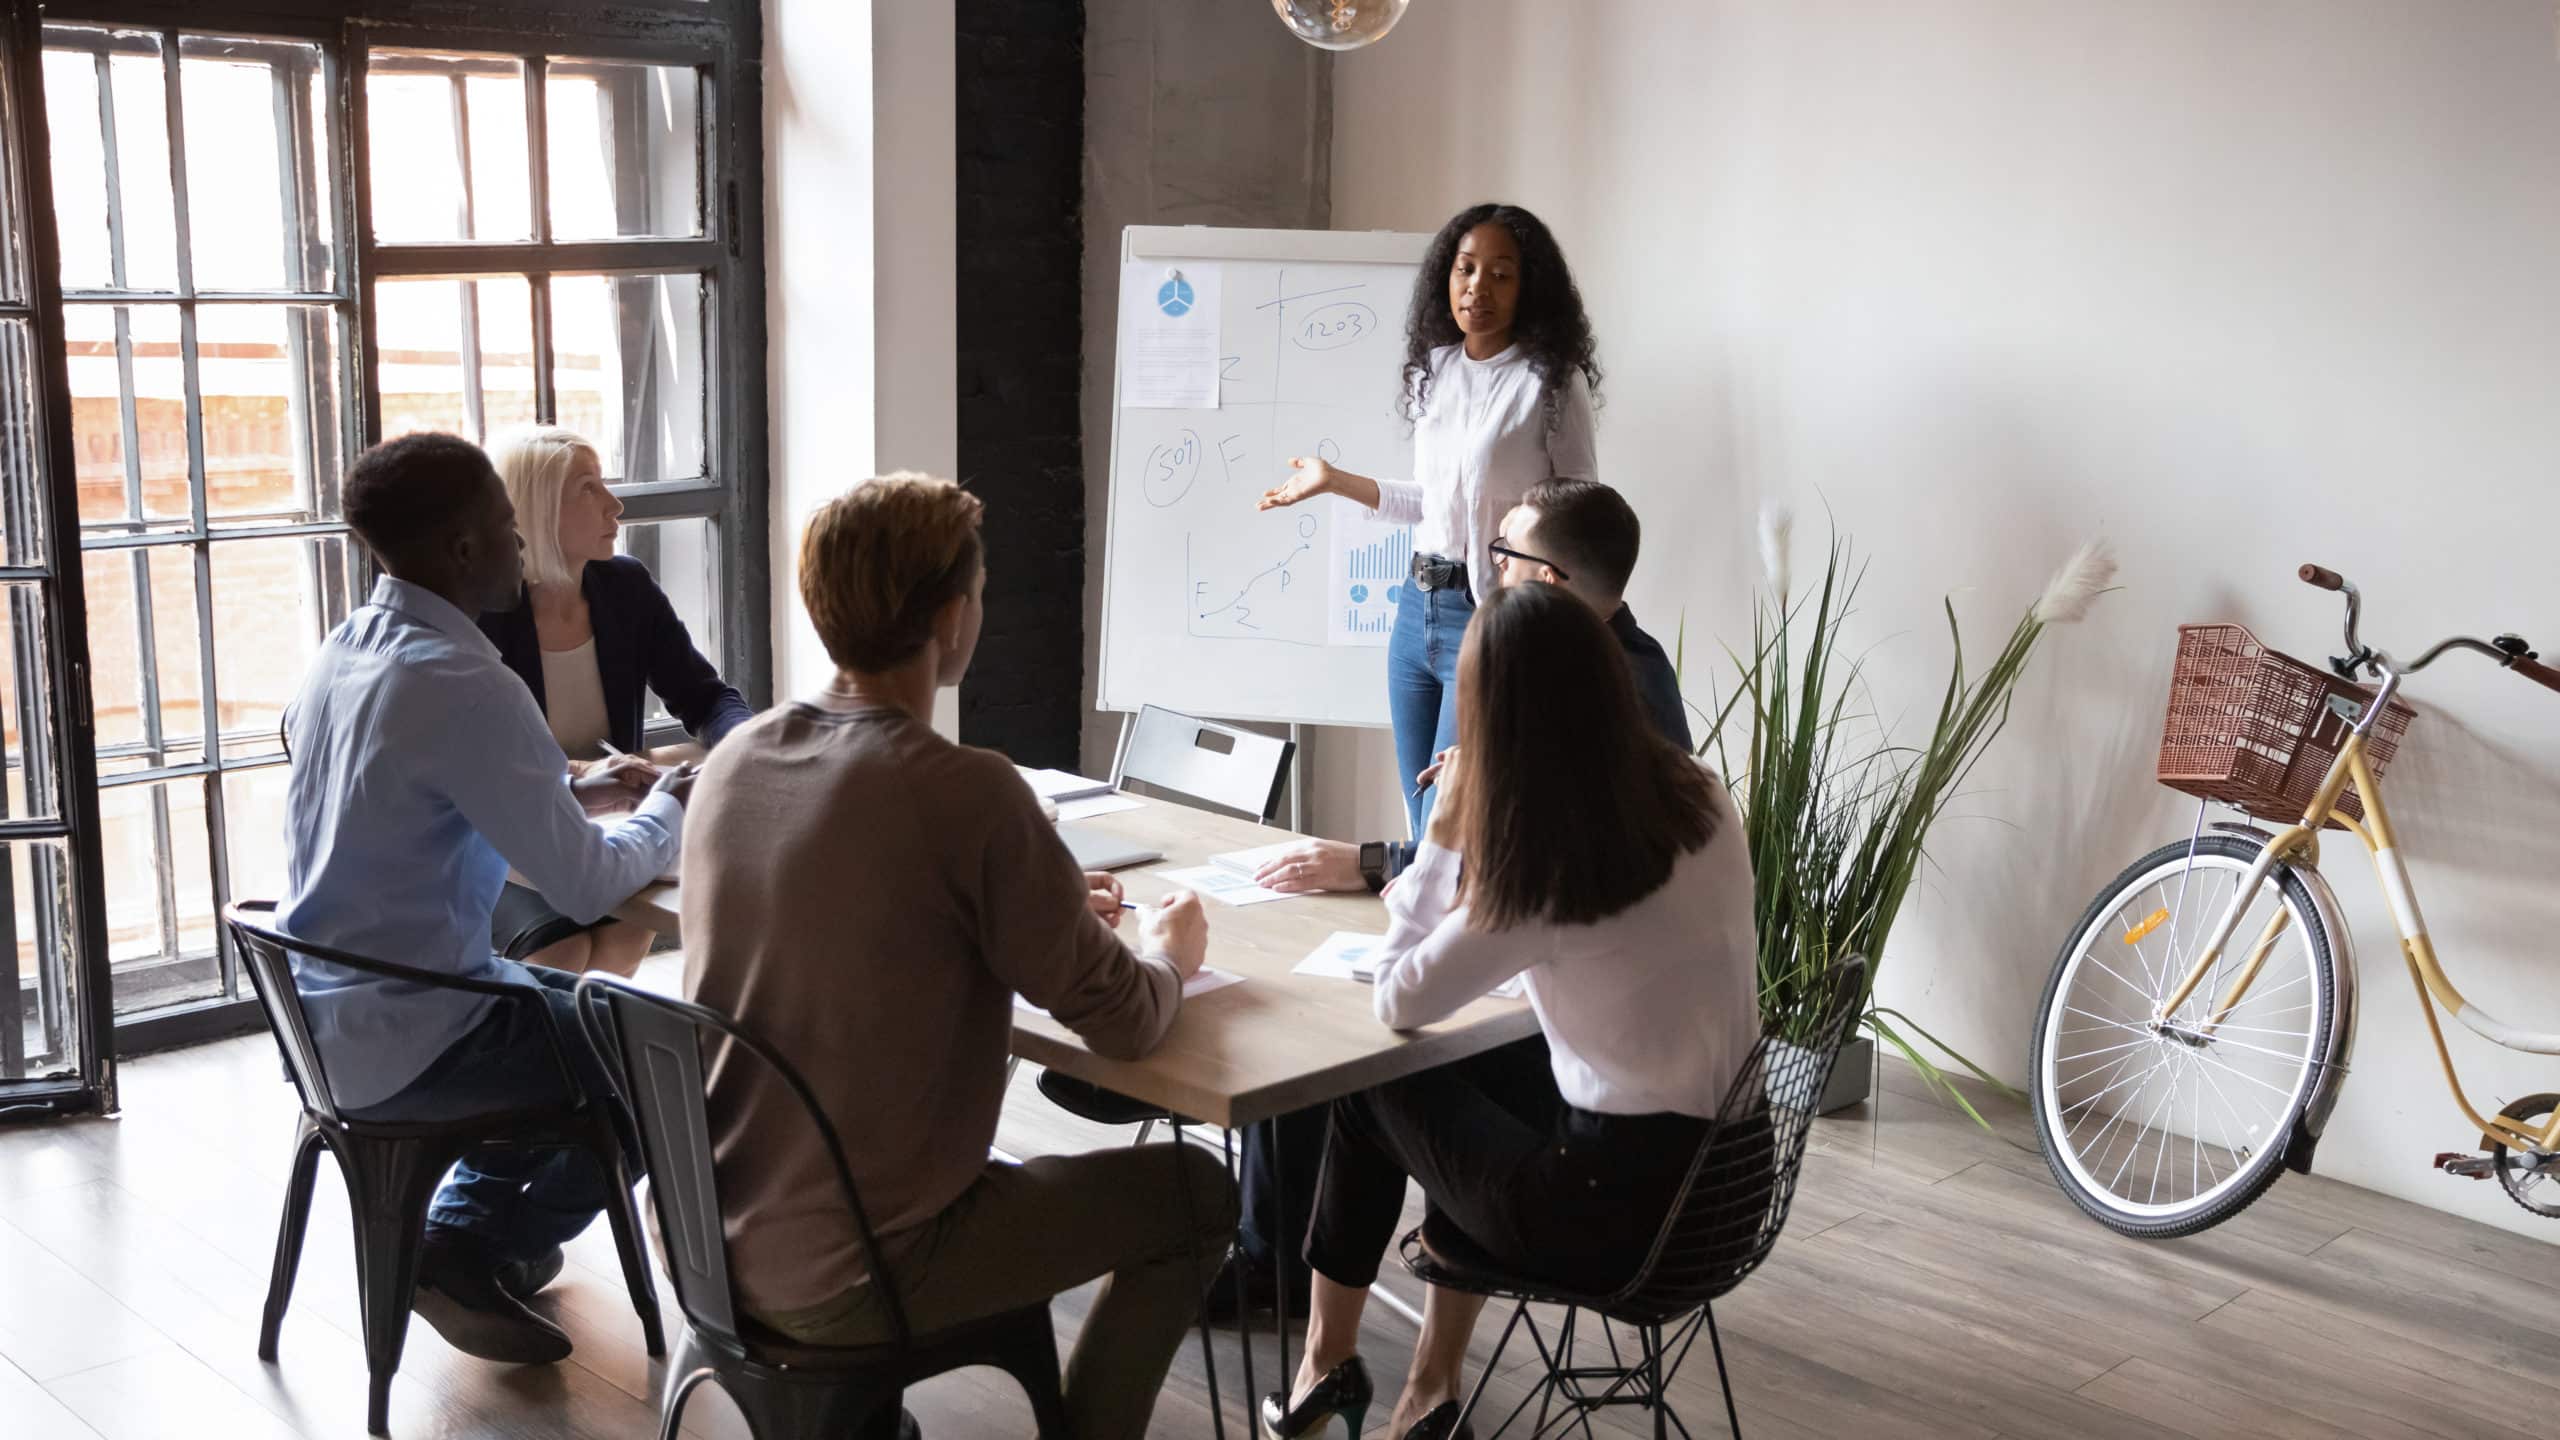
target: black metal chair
<point>784,1389</point>
<point>392,1168</point>
<point>1722,1224</point>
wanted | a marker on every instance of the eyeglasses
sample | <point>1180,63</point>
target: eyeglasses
<point>1502,552</point>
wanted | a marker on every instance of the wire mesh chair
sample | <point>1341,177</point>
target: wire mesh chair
<point>1722,1223</point>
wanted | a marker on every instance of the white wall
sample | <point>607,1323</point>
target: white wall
<point>859,167</point>
<point>2236,286</point>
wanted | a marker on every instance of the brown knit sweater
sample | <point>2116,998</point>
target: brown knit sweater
<point>866,897</point>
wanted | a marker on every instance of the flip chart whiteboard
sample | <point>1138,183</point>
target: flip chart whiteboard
<point>1212,607</point>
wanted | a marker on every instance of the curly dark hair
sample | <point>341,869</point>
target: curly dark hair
<point>1550,324</point>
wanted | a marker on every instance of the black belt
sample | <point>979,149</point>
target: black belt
<point>1438,572</point>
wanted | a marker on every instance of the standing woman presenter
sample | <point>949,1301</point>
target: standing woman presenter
<point>1499,375</point>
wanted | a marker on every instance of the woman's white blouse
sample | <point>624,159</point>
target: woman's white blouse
<point>1480,443</point>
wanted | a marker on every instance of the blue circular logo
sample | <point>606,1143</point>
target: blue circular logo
<point>1395,594</point>
<point>1174,296</point>
<point>1359,594</point>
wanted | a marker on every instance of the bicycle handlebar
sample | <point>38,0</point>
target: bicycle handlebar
<point>2509,651</point>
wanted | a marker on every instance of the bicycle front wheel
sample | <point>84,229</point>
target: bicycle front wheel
<point>2165,1124</point>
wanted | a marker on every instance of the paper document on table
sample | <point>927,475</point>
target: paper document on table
<point>1168,336</point>
<point>1201,982</point>
<point>1344,955</point>
<point>1061,785</point>
<point>1093,805</point>
<point>1217,882</point>
<point>1249,862</point>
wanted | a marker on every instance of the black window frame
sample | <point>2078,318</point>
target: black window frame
<point>722,42</point>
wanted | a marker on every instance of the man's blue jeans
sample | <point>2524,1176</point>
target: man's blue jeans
<point>517,1203</point>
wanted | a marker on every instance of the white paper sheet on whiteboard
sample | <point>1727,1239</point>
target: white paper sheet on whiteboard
<point>1169,332</point>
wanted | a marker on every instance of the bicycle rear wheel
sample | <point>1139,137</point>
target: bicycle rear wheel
<point>2165,1125</point>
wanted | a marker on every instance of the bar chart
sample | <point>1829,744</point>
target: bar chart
<point>1387,558</point>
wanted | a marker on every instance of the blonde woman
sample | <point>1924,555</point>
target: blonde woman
<point>590,631</point>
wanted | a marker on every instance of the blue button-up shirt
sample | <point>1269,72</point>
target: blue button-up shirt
<point>421,770</point>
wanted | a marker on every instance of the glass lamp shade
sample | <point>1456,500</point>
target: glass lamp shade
<point>1339,24</point>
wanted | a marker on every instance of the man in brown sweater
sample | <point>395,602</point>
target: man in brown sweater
<point>868,897</point>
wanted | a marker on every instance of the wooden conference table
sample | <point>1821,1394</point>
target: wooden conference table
<point>1278,1042</point>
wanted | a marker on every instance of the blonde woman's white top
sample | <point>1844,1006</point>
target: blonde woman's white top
<point>1651,1009</point>
<point>573,700</point>
<point>1480,443</point>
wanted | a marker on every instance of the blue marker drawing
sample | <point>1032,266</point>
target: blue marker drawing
<point>1238,610</point>
<point>1174,296</point>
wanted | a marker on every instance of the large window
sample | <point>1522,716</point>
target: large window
<point>279,239</point>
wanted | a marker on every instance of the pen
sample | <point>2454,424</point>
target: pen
<point>607,747</point>
<point>1128,905</point>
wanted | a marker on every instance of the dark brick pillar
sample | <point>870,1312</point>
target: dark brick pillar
<point>1020,68</point>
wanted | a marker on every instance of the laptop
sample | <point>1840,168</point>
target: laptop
<point>1096,850</point>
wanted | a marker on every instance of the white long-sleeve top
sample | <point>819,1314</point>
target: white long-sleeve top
<point>1651,1009</point>
<point>1480,443</point>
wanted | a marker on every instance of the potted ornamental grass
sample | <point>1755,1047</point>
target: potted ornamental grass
<point>1838,811</point>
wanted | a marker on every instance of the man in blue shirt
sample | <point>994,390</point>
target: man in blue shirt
<point>421,770</point>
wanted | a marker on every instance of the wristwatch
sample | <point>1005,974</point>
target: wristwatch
<point>1373,865</point>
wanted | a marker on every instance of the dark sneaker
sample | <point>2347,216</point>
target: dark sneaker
<point>459,1294</point>
<point>525,1279</point>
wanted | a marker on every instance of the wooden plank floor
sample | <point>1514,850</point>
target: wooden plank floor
<point>1932,1283</point>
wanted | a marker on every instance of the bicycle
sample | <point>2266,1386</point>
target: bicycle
<point>2169,1093</point>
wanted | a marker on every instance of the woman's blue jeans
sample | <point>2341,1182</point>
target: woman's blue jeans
<point>1422,684</point>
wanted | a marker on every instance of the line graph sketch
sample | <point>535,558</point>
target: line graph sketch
<point>1275,601</point>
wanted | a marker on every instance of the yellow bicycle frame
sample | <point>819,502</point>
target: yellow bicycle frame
<point>2301,842</point>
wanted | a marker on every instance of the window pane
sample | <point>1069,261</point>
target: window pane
<point>456,355</point>
<point>273,601</point>
<point>13,284</point>
<point>625,149</point>
<point>104,343</point>
<point>117,225</point>
<point>159,883</point>
<point>37,874</point>
<point>628,367</point>
<point>253,831</point>
<point>26,712</point>
<point>145,662</point>
<point>425,115</point>
<point>685,557</point>
<point>258,211</point>
<point>273,416</point>
<point>22,508</point>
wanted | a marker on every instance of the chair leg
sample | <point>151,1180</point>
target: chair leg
<point>307,1145</point>
<point>1655,1382</point>
<point>1732,1419</point>
<point>624,1213</point>
<point>1145,1129</point>
<point>390,1183</point>
<point>1033,1364</point>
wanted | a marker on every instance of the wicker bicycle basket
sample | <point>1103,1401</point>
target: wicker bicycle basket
<point>2254,728</point>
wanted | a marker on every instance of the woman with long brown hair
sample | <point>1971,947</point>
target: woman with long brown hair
<point>1606,868</point>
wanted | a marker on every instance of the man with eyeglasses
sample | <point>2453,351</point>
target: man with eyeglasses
<point>1582,537</point>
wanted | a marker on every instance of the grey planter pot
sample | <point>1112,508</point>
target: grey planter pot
<point>1852,1079</point>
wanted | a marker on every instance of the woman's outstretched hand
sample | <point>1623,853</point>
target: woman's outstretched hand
<point>1314,477</point>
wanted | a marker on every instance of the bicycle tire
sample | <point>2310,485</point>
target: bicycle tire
<point>2266,1160</point>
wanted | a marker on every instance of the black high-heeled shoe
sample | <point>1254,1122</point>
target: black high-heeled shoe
<point>1441,1424</point>
<point>1345,1391</point>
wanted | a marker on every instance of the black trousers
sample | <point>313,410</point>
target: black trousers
<point>1279,1200</point>
<point>1552,1192</point>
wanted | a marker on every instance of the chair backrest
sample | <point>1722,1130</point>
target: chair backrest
<point>1221,765</point>
<point>1742,1183</point>
<point>271,976</point>
<point>657,1042</point>
<point>267,954</point>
